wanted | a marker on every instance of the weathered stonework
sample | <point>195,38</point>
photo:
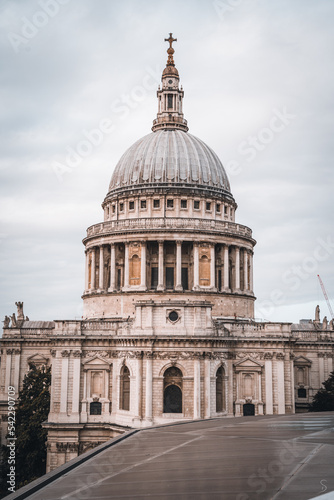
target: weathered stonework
<point>168,330</point>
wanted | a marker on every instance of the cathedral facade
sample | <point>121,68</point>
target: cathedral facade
<point>168,330</point>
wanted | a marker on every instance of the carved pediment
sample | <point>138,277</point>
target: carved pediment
<point>248,364</point>
<point>302,361</point>
<point>97,363</point>
<point>38,360</point>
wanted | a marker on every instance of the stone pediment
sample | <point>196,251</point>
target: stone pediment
<point>38,360</point>
<point>97,363</point>
<point>302,361</point>
<point>248,364</point>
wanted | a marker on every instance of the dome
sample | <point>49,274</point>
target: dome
<point>173,158</point>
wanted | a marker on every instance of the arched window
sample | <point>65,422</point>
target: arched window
<point>220,390</point>
<point>95,408</point>
<point>124,403</point>
<point>173,390</point>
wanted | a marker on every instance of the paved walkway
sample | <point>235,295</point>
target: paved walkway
<point>287,457</point>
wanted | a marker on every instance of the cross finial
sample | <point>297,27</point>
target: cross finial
<point>170,50</point>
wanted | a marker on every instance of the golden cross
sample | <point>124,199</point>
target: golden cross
<point>170,40</point>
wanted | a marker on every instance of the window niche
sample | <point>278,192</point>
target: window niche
<point>96,385</point>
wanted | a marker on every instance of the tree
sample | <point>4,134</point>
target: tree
<point>32,409</point>
<point>323,400</point>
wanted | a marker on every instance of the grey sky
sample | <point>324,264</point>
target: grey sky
<point>251,70</point>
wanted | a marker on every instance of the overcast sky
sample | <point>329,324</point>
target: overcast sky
<point>258,81</point>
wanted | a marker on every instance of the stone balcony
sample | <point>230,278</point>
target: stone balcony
<point>186,225</point>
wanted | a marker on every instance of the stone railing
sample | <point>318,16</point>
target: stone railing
<point>323,336</point>
<point>185,224</point>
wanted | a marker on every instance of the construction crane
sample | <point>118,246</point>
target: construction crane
<point>326,296</point>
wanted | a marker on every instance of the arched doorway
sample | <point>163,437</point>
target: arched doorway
<point>173,390</point>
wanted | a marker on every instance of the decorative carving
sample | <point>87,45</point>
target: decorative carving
<point>280,356</point>
<point>6,322</point>
<point>53,352</point>
<point>268,355</point>
<point>61,447</point>
<point>65,353</point>
<point>13,318</point>
<point>20,315</point>
<point>73,447</point>
<point>9,351</point>
<point>77,354</point>
<point>16,351</point>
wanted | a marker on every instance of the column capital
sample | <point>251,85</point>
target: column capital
<point>179,242</point>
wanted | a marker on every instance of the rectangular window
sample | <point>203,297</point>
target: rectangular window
<point>113,208</point>
<point>208,206</point>
<point>131,205</point>
<point>121,207</point>
<point>154,277</point>
<point>156,203</point>
<point>184,278</point>
<point>170,203</point>
<point>225,210</point>
<point>196,204</point>
<point>218,208</point>
<point>183,203</point>
<point>170,101</point>
<point>142,204</point>
<point>169,278</point>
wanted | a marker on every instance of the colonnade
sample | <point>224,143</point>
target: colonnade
<point>232,258</point>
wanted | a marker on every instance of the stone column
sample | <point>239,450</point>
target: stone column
<point>115,387</point>
<point>8,369</point>
<point>207,387</point>
<point>196,267</point>
<point>245,270</point>
<point>237,269</point>
<point>101,269</point>
<point>226,268</point>
<point>76,382</point>
<point>92,284</point>
<point>17,358</point>
<point>112,268</point>
<point>87,271</point>
<point>292,372</point>
<point>251,272</point>
<point>268,367</point>
<point>160,286</point>
<point>229,399</point>
<point>280,386</point>
<point>138,385</point>
<point>143,266</point>
<point>64,381</point>
<point>54,373</point>
<point>178,286</point>
<point>322,377</point>
<point>126,267</point>
<point>213,267</point>
<point>197,388</point>
<point>149,388</point>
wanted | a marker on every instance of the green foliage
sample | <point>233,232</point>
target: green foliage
<point>32,409</point>
<point>323,400</point>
